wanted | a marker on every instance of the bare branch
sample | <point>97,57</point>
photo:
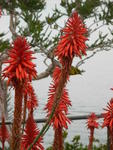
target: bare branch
<point>46,73</point>
<point>93,24</point>
<point>13,21</point>
<point>91,31</point>
<point>3,56</point>
<point>49,70</point>
<point>99,48</point>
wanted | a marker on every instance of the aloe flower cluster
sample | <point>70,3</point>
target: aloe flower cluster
<point>72,40</point>
<point>108,121</point>
<point>20,72</point>
<point>59,119</point>
<point>32,101</point>
<point>20,66</point>
<point>30,134</point>
<point>71,43</point>
<point>4,134</point>
<point>91,125</point>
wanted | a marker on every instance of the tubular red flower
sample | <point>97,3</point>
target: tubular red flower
<point>32,101</point>
<point>57,74</point>
<point>92,123</point>
<point>20,66</point>
<point>72,41</point>
<point>4,134</point>
<point>59,119</point>
<point>108,116</point>
<point>30,134</point>
<point>108,121</point>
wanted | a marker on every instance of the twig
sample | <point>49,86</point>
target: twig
<point>97,28</point>
<point>99,48</point>
<point>13,21</point>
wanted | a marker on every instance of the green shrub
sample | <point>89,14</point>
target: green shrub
<point>75,144</point>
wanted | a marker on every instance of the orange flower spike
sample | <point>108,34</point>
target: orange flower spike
<point>108,116</point>
<point>19,70</point>
<point>30,134</point>
<point>59,119</point>
<point>32,101</point>
<point>72,40</point>
<point>20,66</point>
<point>108,121</point>
<point>4,134</point>
<point>92,124</point>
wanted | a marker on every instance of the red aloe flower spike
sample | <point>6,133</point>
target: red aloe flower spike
<point>59,118</point>
<point>30,134</point>
<point>108,116</point>
<point>72,41</point>
<point>32,101</point>
<point>4,134</point>
<point>20,66</point>
<point>108,120</point>
<point>19,70</point>
<point>92,124</point>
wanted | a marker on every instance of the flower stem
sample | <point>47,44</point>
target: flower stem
<point>58,139</point>
<point>16,128</point>
<point>3,145</point>
<point>110,138</point>
<point>24,113</point>
<point>90,146</point>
